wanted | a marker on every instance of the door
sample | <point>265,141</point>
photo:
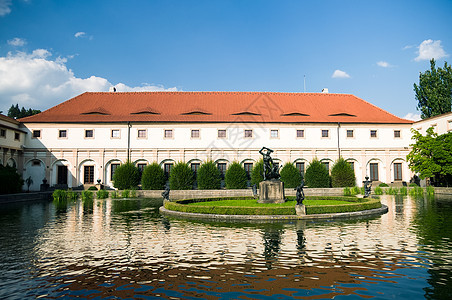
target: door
<point>397,172</point>
<point>374,172</point>
<point>62,175</point>
<point>88,174</point>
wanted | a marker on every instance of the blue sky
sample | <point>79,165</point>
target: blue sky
<point>51,51</point>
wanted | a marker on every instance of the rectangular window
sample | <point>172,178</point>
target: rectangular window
<point>300,133</point>
<point>325,133</point>
<point>248,133</point>
<point>89,133</point>
<point>274,133</point>
<point>167,169</point>
<point>373,133</point>
<point>300,167</point>
<point>222,168</point>
<point>397,172</point>
<point>194,168</point>
<point>2,132</point>
<point>248,167</point>
<point>373,171</point>
<point>17,136</point>
<point>142,134</point>
<point>113,168</point>
<point>350,133</point>
<point>195,133</point>
<point>222,133</point>
<point>62,134</point>
<point>327,165</point>
<point>397,133</point>
<point>36,134</point>
<point>352,164</point>
<point>88,174</point>
<point>168,134</point>
<point>115,134</point>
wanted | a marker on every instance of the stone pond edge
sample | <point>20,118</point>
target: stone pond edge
<point>370,212</point>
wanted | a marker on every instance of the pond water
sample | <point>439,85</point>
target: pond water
<point>118,249</point>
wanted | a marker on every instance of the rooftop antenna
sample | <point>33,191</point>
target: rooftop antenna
<point>304,82</point>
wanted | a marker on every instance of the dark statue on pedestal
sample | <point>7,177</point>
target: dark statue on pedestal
<point>271,171</point>
<point>165,193</point>
<point>300,193</point>
<point>367,187</point>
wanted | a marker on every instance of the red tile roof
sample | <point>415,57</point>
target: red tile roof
<point>261,107</point>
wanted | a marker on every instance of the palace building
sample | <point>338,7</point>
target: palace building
<point>84,139</point>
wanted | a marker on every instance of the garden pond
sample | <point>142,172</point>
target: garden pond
<point>117,249</point>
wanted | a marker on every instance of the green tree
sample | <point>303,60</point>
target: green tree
<point>342,174</point>
<point>153,177</point>
<point>257,173</point>
<point>235,177</point>
<point>181,177</point>
<point>317,175</point>
<point>431,156</point>
<point>16,112</point>
<point>434,92</point>
<point>126,176</point>
<point>290,176</point>
<point>10,181</point>
<point>208,176</point>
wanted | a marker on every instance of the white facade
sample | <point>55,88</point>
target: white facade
<point>65,147</point>
<point>441,124</point>
<point>12,138</point>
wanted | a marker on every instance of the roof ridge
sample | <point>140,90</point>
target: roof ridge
<point>382,110</point>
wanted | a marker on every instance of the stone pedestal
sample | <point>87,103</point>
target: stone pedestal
<point>300,210</point>
<point>271,191</point>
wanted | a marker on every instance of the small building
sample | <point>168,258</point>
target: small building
<point>12,139</point>
<point>87,137</point>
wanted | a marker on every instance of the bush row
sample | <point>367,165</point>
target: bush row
<point>181,177</point>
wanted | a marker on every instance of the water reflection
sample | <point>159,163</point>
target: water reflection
<point>124,248</point>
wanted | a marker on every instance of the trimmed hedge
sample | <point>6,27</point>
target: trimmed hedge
<point>126,176</point>
<point>317,175</point>
<point>290,176</point>
<point>356,204</point>
<point>153,177</point>
<point>257,173</point>
<point>181,177</point>
<point>342,174</point>
<point>208,176</point>
<point>235,177</point>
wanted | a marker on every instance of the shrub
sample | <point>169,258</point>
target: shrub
<point>383,185</point>
<point>208,177</point>
<point>413,185</point>
<point>72,196</point>
<point>290,176</point>
<point>181,177</point>
<point>114,195</point>
<point>133,193</point>
<point>126,176</point>
<point>92,188</point>
<point>342,174</point>
<point>317,175</point>
<point>257,172</point>
<point>59,195</point>
<point>392,191</point>
<point>235,177</point>
<point>10,181</point>
<point>125,194</point>
<point>102,194</point>
<point>416,191</point>
<point>430,190</point>
<point>355,191</point>
<point>87,195</point>
<point>347,191</point>
<point>378,191</point>
<point>153,177</point>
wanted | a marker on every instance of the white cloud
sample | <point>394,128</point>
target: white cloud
<point>412,117</point>
<point>17,42</point>
<point>80,34</point>
<point>340,74</point>
<point>5,7</point>
<point>35,80</point>
<point>429,49</point>
<point>384,64</point>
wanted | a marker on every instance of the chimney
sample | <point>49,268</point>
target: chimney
<point>325,91</point>
<point>112,89</point>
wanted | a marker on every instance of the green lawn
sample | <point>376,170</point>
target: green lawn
<point>254,203</point>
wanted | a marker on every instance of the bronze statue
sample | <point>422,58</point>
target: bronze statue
<point>300,193</point>
<point>271,171</point>
<point>165,193</point>
<point>367,187</point>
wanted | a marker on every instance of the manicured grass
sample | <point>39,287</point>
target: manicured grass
<point>250,206</point>
<point>254,203</point>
